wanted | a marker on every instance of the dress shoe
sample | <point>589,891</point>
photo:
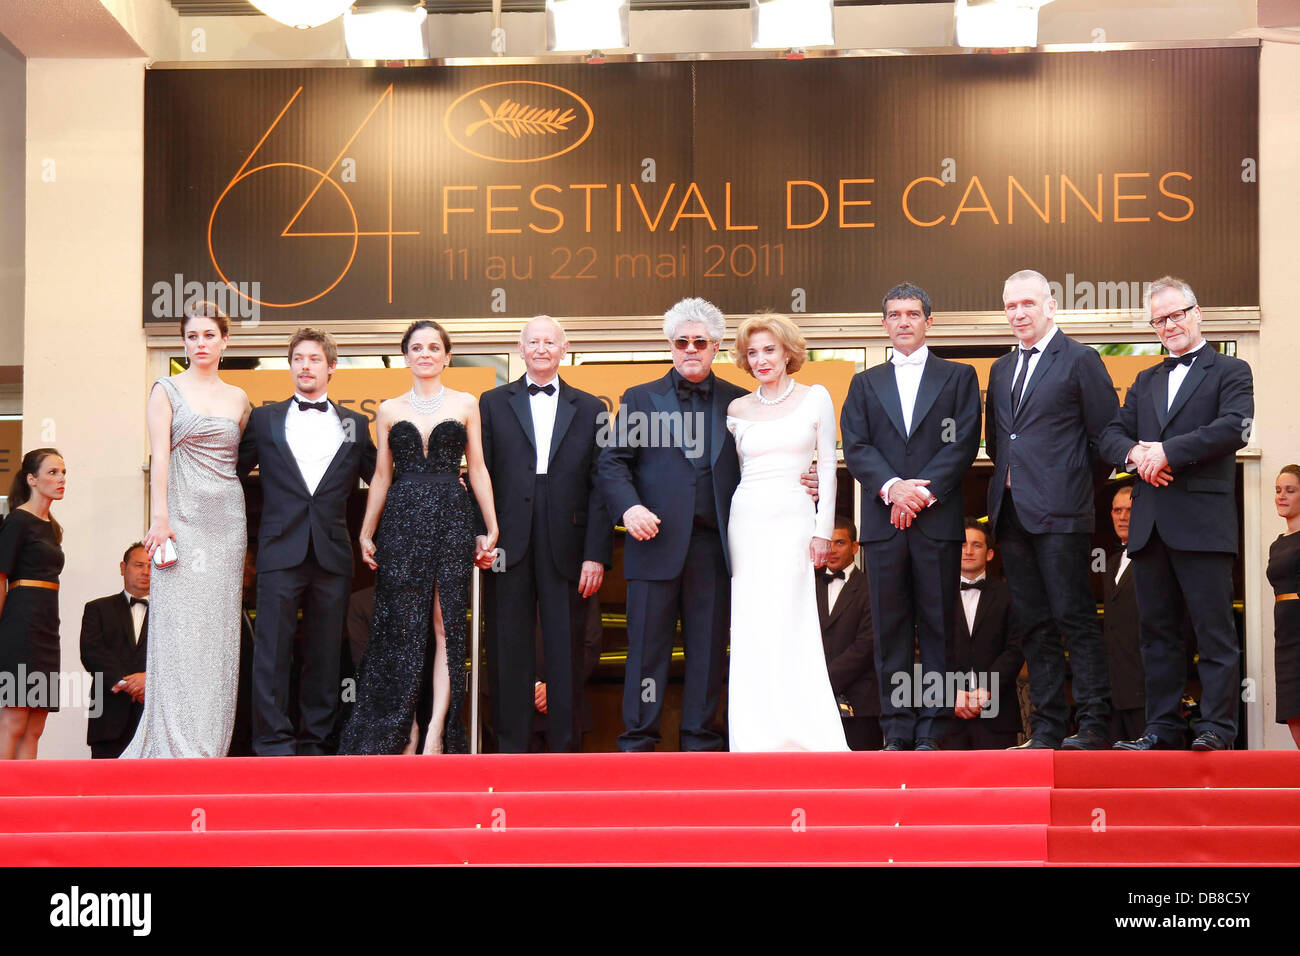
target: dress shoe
<point>1145,742</point>
<point>1086,740</point>
<point>926,743</point>
<point>1209,741</point>
<point>1035,743</point>
<point>896,743</point>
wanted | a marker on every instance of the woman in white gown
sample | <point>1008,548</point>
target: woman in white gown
<point>779,694</point>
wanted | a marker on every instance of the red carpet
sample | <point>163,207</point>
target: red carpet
<point>1030,808</point>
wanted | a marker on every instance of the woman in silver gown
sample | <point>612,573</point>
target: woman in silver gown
<point>195,422</point>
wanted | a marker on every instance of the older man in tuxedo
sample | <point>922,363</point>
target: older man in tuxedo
<point>911,430</point>
<point>1047,403</point>
<point>114,645</point>
<point>539,445</point>
<point>310,452</point>
<point>844,608</point>
<point>674,498</point>
<point>985,651</point>
<point>1119,628</point>
<point>1182,423</point>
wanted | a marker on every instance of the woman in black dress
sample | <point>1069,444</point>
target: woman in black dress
<point>1284,575</point>
<point>30,562</point>
<point>423,548</point>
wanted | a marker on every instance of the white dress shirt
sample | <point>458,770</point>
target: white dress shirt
<point>1179,372</point>
<point>836,587</point>
<point>908,370</point>
<point>314,438</point>
<point>543,408</point>
<point>970,600</point>
<point>1041,344</point>
<point>1123,563</point>
<point>138,611</point>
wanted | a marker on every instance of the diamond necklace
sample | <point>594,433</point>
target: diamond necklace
<point>426,406</point>
<point>775,401</point>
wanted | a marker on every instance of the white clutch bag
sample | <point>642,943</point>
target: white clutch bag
<point>164,556</point>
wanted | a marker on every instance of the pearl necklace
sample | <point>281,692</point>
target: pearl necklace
<point>775,401</point>
<point>426,406</point>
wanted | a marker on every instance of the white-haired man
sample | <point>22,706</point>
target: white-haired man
<point>674,498</point>
<point>539,445</point>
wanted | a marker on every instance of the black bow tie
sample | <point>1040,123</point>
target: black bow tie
<point>973,585</point>
<point>834,575</point>
<point>544,389</point>
<point>136,600</point>
<point>686,388</point>
<point>1173,361</point>
<point>318,406</point>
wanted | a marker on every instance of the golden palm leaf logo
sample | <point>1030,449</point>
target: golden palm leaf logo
<point>516,119</point>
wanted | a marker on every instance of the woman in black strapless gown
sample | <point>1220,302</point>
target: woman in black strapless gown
<point>423,550</point>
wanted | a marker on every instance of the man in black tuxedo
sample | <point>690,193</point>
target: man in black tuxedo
<point>1119,629</point>
<point>539,445</point>
<point>986,650</point>
<point>114,644</point>
<point>911,430</point>
<point>1180,428</point>
<point>1047,403</point>
<point>593,634</point>
<point>311,451</point>
<point>844,608</point>
<point>672,488</point>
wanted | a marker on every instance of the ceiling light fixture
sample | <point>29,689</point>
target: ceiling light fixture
<point>791,24</point>
<point>302,14</point>
<point>587,25</point>
<point>997,24</point>
<point>388,33</point>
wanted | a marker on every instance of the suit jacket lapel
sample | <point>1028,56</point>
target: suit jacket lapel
<point>564,413</point>
<point>343,445</point>
<point>883,382</point>
<point>932,380</point>
<point>523,411</point>
<point>1195,375</point>
<point>718,425</point>
<point>128,622</point>
<point>277,414</point>
<point>981,610</point>
<point>844,599</point>
<point>823,598</point>
<point>1045,362</point>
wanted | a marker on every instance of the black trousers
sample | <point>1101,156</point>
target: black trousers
<point>323,598</point>
<point>913,583</point>
<point>1166,581</point>
<point>701,597</point>
<point>533,590</point>
<point>1050,599</point>
<point>863,733</point>
<point>976,733</point>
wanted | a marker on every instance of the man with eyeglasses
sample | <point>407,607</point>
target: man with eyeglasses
<point>1048,401</point>
<point>674,498</point>
<point>1179,430</point>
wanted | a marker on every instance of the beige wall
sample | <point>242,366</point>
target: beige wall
<point>84,353</point>
<point>13,110</point>
<point>1276,401</point>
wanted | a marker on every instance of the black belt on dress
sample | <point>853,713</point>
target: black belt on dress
<point>429,476</point>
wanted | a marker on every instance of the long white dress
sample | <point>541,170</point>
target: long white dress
<point>779,695</point>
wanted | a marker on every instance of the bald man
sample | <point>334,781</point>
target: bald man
<point>539,443</point>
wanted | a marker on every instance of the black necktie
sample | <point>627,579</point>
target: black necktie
<point>686,388</point>
<point>1018,388</point>
<point>144,601</point>
<point>834,575</point>
<point>1173,361</point>
<point>318,406</point>
<point>544,389</point>
<point>973,585</point>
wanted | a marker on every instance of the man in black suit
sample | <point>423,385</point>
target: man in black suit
<point>593,634</point>
<point>114,644</point>
<point>1119,629</point>
<point>539,445</point>
<point>311,451</point>
<point>986,651</point>
<point>668,469</point>
<point>1180,428</point>
<point>844,608</point>
<point>1047,403</point>
<point>911,430</point>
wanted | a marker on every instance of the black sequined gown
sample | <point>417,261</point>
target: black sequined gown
<point>425,538</point>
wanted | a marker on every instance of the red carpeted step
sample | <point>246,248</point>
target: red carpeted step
<point>1164,769</point>
<point>1183,807</point>
<point>521,772</point>
<point>1162,844</point>
<point>554,846</point>
<point>387,811</point>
